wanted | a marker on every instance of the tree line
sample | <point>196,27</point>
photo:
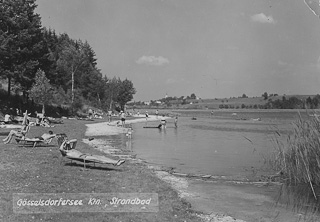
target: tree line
<point>52,68</point>
<point>291,102</point>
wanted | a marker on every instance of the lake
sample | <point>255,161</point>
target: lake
<point>227,143</point>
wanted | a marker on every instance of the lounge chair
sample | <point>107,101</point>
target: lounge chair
<point>22,132</point>
<point>67,149</point>
<point>37,140</point>
<point>33,141</point>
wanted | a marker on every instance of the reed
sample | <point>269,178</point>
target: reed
<point>297,158</point>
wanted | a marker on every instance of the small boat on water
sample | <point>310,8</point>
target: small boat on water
<point>193,118</point>
<point>155,127</point>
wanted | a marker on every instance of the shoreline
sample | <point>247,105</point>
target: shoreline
<point>197,189</point>
<point>178,182</point>
<point>43,169</point>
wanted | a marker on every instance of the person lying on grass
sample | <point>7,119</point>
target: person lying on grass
<point>68,150</point>
<point>16,133</point>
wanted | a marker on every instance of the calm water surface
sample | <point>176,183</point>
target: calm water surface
<point>222,144</point>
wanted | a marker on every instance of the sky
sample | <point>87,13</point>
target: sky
<point>213,48</point>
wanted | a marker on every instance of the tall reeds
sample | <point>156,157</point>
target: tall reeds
<point>298,158</point>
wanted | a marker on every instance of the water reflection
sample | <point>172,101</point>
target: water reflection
<point>129,145</point>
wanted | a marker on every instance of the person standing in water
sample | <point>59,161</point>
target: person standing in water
<point>129,132</point>
<point>123,119</point>
<point>176,121</point>
<point>163,122</point>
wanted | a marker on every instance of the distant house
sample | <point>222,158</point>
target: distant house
<point>147,103</point>
<point>158,102</point>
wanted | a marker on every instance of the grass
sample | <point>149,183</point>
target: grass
<point>298,162</point>
<point>40,170</point>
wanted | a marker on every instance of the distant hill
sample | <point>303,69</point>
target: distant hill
<point>229,103</point>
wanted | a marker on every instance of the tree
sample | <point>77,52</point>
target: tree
<point>71,59</point>
<point>20,42</point>
<point>309,102</point>
<point>126,93</point>
<point>111,91</point>
<point>193,96</point>
<point>265,95</point>
<point>41,90</point>
<point>244,96</point>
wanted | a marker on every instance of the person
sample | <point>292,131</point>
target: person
<point>147,115</point>
<point>38,121</point>
<point>45,122</point>
<point>138,113</point>
<point>176,121</point>
<point>163,122</point>
<point>45,136</point>
<point>7,118</point>
<point>109,116</point>
<point>157,113</point>
<point>123,118</point>
<point>129,133</point>
<point>16,133</point>
<point>68,148</point>
<point>90,113</point>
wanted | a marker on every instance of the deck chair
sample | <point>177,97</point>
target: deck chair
<point>33,141</point>
<point>67,149</point>
<point>17,134</point>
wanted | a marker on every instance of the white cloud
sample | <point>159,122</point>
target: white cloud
<point>152,60</point>
<point>263,18</point>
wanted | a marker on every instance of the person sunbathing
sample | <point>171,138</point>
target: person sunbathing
<point>16,133</point>
<point>43,137</point>
<point>68,150</point>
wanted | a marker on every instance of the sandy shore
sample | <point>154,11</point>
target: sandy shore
<point>108,129</point>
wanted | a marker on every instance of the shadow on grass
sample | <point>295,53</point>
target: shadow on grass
<point>91,166</point>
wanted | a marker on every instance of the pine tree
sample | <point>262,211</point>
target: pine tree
<point>20,41</point>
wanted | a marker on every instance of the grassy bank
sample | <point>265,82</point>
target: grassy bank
<point>40,170</point>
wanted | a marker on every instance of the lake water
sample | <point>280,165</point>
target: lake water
<point>224,144</point>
